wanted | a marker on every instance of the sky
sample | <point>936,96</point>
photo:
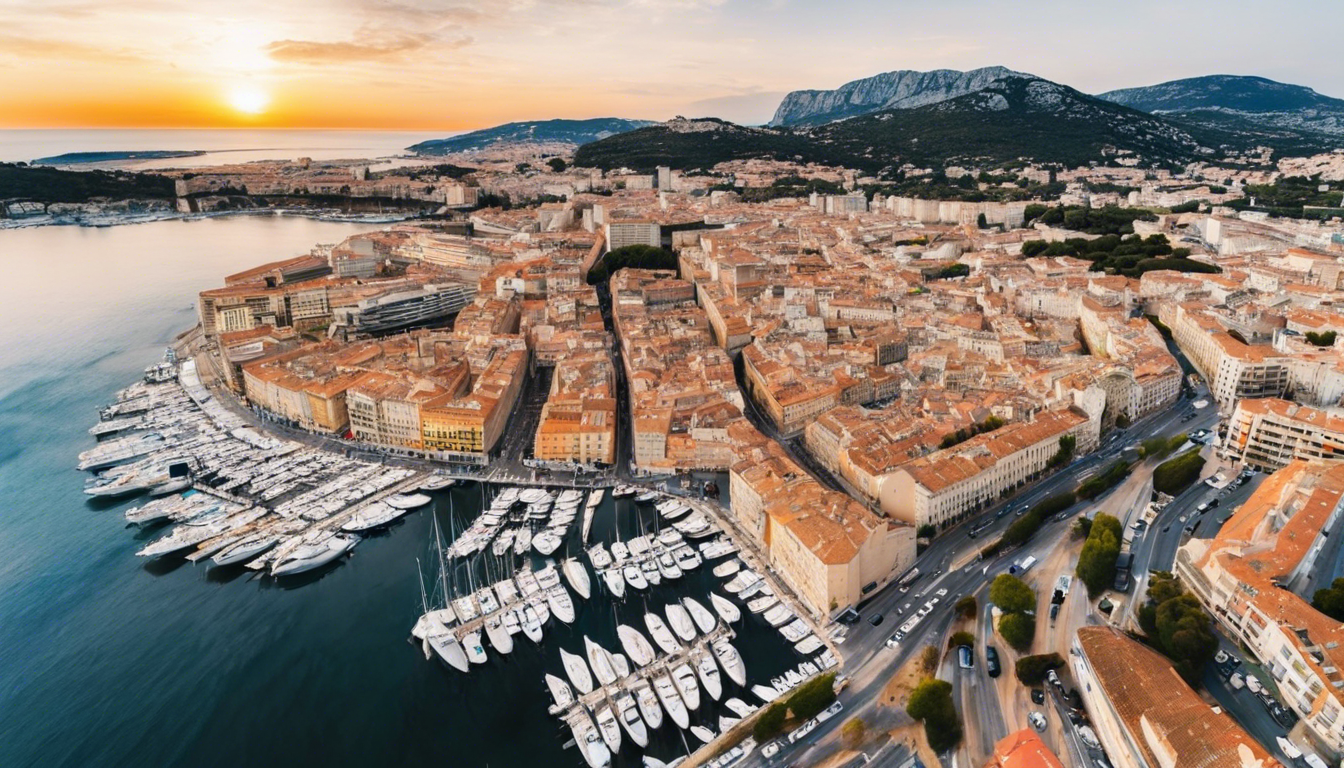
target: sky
<point>463,64</point>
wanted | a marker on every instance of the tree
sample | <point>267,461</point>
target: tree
<point>813,696</point>
<point>633,256</point>
<point>959,639</point>
<point>1326,339</point>
<point>1018,630</point>
<point>1096,562</point>
<point>770,723</point>
<point>1067,445</point>
<point>1330,600</point>
<point>557,164</point>
<point>854,732</point>
<point>1183,630</point>
<point>928,659</point>
<point>1175,475</point>
<point>931,703</point>
<point>966,607</point>
<point>926,531</point>
<point>1105,481</point>
<point>1011,594</point>
<point>1031,670</point>
<point>1082,527</point>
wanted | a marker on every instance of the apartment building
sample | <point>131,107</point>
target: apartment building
<point>1146,716</point>
<point>945,486</point>
<point>623,232</point>
<point>1245,577</point>
<point>1023,749</point>
<point>1233,370</point>
<point>1269,433</point>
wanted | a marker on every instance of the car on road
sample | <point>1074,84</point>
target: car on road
<point>1053,679</point>
<point>1037,720</point>
<point>770,750</point>
<point>941,593</point>
<point>1166,528</point>
<point>965,658</point>
<point>992,661</point>
<point>1253,684</point>
<point>802,730</point>
<point>875,619</point>
<point>1054,612</point>
<point>829,712</point>
<point>1038,695</point>
<point>894,640</point>
<point>1236,681</point>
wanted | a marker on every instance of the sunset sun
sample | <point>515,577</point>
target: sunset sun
<point>248,99</point>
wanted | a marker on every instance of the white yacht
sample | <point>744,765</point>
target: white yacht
<point>727,722</point>
<point>671,700</point>
<point>629,716</point>
<point>601,662</point>
<point>684,679</point>
<point>702,733</point>
<point>778,615</point>
<point>704,620</point>
<point>609,727</point>
<point>245,549</point>
<point>560,693</point>
<point>502,543</point>
<point>563,608</point>
<point>634,577</point>
<point>725,608</point>
<point>739,707</point>
<point>761,604</point>
<point>531,624</point>
<point>577,576</point>
<point>667,567</point>
<point>586,736</point>
<point>438,483</point>
<point>599,557</point>
<point>620,552</point>
<point>635,645</point>
<point>661,634</point>
<point>680,620</point>
<point>471,644</point>
<point>375,515</point>
<point>522,541</point>
<point>546,542</point>
<point>730,660</point>
<point>577,671</point>
<point>449,650</point>
<point>765,693</point>
<point>649,708</point>
<point>709,675</point>
<point>307,557</point>
<point>500,639</point>
<point>726,569</point>
<point>615,582</point>
<point>407,501</point>
<point>650,570</point>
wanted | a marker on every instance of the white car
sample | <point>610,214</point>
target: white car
<point>770,750</point>
<point>1237,681</point>
<point>1253,683</point>
<point>941,593</point>
<point>1037,720</point>
<point>829,712</point>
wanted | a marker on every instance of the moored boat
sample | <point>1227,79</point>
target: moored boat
<point>577,576</point>
<point>577,671</point>
<point>730,660</point>
<point>704,620</point>
<point>307,557</point>
<point>671,700</point>
<point>661,634</point>
<point>725,608</point>
<point>635,645</point>
<point>684,679</point>
<point>628,714</point>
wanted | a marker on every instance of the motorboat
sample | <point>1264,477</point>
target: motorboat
<point>671,700</point>
<point>531,624</point>
<point>739,707</point>
<point>724,570</point>
<point>245,549</point>
<point>808,644</point>
<point>513,621</point>
<point>686,559</point>
<point>601,662</point>
<point>765,693</point>
<point>560,693</point>
<point>577,672</point>
<point>438,483</point>
<point>667,567</point>
<point>538,604</point>
<point>794,677</point>
<point>407,501</point>
<point>649,708</point>
<point>650,570</point>
<point>702,733</point>
<point>730,660</point>
<point>595,497</point>
<point>500,639</point>
<point>704,620</point>
<point>623,491</point>
<point>522,541</point>
<point>684,679</point>
<point>680,621</point>
<point>646,496</point>
<point>122,450</point>
<point>670,537</point>
<point>741,581</point>
<point>373,516</point>
<point>761,604</point>
<point>449,651</point>
<point>634,577</point>
<point>620,552</point>
<point>485,597</point>
<point>471,643</point>
<point>795,630</point>
<point>577,576</point>
<point>307,557</point>
<point>532,495</point>
<point>599,557</point>
<point>1288,748</point>
<point>628,714</point>
<point>661,634</point>
<point>507,592</point>
<point>546,542</point>
<point>725,608</point>
<point>720,547</point>
<point>635,645</point>
<point>709,675</point>
<point>778,615</point>
<point>615,582</point>
<point>591,746</point>
<point>561,606</point>
<point>502,543</point>
<point>609,726</point>
<point>727,723</point>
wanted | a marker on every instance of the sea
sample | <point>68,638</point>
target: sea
<point>108,660</point>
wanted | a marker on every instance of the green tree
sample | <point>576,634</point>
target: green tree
<point>557,164</point>
<point>1082,527</point>
<point>959,639</point>
<point>1175,475</point>
<point>633,256</point>
<point>1018,630</point>
<point>1096,562</point>
<point>1067,445</point>
<point>770,723</point>
<point>854,732</point>
<point>926,531</point>
<point>966,607</point>
<point>1185,635</point>
<point>1330,600</point>
<point>1031,670</point>
<point>813,696</point>
<point>1326,339</point>
<point>931,702</point>
<point>1011,594</point>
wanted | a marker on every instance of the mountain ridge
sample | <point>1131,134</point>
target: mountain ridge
<point>575,132</point>
<point>898,89</point>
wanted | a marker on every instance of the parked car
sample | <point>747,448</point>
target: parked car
<point>1053,679</point>
<point>894,640</point>
<point>1037,720</point>
<point>1038,695</point>
<point>992,662</point>
<point>875,619</point>
<point>1236,681</point>
<point>1253,684</point>
<point>965,658</point>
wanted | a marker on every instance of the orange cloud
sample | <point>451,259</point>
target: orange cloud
<point>313,52</point>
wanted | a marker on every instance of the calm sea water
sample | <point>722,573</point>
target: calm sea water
<point>220,146</point>
<point>108,661</point>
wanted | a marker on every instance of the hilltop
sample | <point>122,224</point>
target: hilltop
<point>574,132</point>
<point>901,89</point>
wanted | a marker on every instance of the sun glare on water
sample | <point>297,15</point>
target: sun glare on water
<point>248,99</point>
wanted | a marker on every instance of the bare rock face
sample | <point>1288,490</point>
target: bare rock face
<point>902,89</point>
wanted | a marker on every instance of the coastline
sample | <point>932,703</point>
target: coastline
<point>124,218</point>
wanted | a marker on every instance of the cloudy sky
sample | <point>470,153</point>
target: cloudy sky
<point>461,64</point>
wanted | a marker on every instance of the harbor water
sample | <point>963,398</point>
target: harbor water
<point>106,660</point>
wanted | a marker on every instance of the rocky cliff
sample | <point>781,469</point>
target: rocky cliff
<point>902,89</point>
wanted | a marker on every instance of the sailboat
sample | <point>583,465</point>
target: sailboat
<point>615,582</point>
<point>636,647</point>
<point>577,671</point>
<point>634,577</point>
<point>630,720</point>
<point>703,618</point>
<point>725,608</point>
<point>471,643</point>
<point>577,576</point>
<point>500,639</point>
<point>560,693</point>
<point>594,752</point>
<point>558,599</point>
<point>531,624</point>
